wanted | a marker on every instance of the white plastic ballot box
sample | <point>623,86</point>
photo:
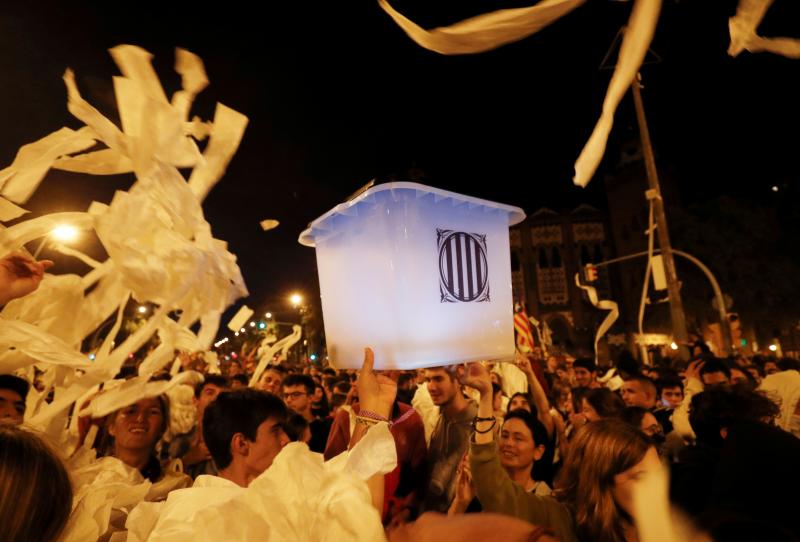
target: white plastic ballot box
<point>421,275</point>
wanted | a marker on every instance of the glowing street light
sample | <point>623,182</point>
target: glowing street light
<point>268,315</point>
<point>674,346</point>
<point>242,330</point>
<point>296,299</point>
<point>65,233</point>
<point>773,348</point>
<point>142,309</point>
<point>252,324</point>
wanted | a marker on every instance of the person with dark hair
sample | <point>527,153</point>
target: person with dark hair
<point>740,377</point>
<point>670,391</point>
<point>586,373</point>
<point>406,386</point>
<point>519,401</point>
<point>627,364</point>
<point>521,443</point>
<point>239,381</point>
<point>740,464</point>
<point>298,392</point>
<point>544,468</point>
<point>450,437</point>
<point>714,372</point>
<point>190,447</point>
<point>263,475</point>
<point>297,428</point>
<point>35,488</point>
<point>319,402</point>
<point>13,393</point>
<point>601,403</point>
<point>243,430</point>
<point>134,431</point>
<point>645,421</point>
<point>210,387</point>
<point>638,390</point>
<point>594,492</point>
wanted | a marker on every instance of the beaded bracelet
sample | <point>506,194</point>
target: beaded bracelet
<point>372,415</point>
<point>369,422</point>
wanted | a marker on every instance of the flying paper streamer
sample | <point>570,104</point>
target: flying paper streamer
<point>267,225</point>
<point>161,250</point>
<point>605,305</point>
<point>743,26</point>
<point>491,30</point>
<point>240,318</point>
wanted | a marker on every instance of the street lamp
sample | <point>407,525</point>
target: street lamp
<point>295,300</point>
<point>63,233</point>
<point>142,309</point>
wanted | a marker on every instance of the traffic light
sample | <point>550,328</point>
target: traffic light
<point>590,272</point>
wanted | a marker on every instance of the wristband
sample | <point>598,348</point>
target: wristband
<point>372,415</point>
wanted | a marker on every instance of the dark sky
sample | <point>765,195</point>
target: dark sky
<point>337,95</point>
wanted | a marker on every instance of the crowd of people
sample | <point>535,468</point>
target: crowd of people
<point>544,448</point>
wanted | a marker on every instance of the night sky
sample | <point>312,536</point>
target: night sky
<point>337,95</point>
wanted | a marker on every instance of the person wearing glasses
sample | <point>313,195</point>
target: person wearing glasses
<point>298,392</point>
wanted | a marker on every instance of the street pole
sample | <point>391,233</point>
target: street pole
<point>673,286</point>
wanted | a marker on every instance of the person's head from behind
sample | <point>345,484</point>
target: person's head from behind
<point>717,408</point>
<point>13,392</point>
<point>715,372</point>
<point>35,488</point>
<point>243,431</point>
<point>585,372</point>
<point>297,428</point>
<point>520,401</point>
<point>442,385</point>
<point>601,403</point>
<point>670,390</point>
<point>206,392</point>
<point>604,461</point>
<point>522,440</point>
<point>638,390</point>
<point>298,392</point>
<point>406,386</point>
<point>137,428</point>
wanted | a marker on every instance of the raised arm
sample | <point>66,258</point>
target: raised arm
<point>376,396</point>
<point>537,393</point>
